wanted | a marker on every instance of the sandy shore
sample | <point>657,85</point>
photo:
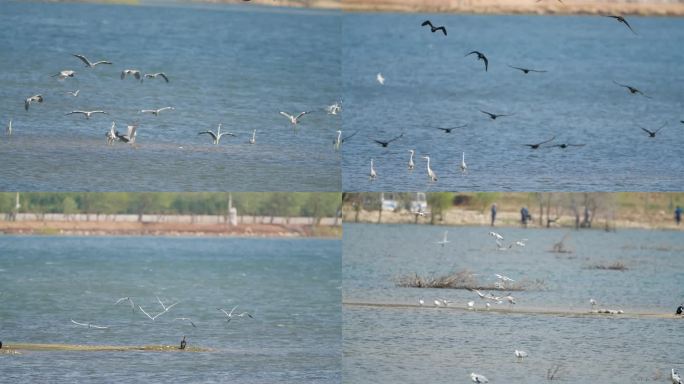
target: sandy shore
<point>86,228</point>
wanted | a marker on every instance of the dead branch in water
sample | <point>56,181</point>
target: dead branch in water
<point>464,279</point>
<point>616,266</point>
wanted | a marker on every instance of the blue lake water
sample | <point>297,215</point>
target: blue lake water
<point>429,83</point>
<point>408,344</point>
<point>235,65</point>
<point>292,287</point>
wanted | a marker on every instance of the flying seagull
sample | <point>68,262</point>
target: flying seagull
<point>623,21</point>
<point>216,137</point>
<point>90,64</point>
<point>449,129</point>
<point>652,133</point>
<point>380,78</point>
<point>433,28</point>
<point>154,75</point>
<point>527,70</point>
<point>535,146</point>
<point>494,116</point>
<point>480,56</point>
<point>632,90</point>
<point>35,98</point>
<point>134,72</point>
<point>294,119</point>
<point>87,114</point>
<point>61,75</point>
<point>384,144</point>
<point>151,317</point>
<point>74,93</point>
<point>88,325</point>
<point>156,111</point>
<point>229,315</point>
<point>129,137</point>
<point>478,378</point>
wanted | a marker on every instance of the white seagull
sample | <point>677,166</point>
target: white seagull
<point>471,305</point>
<point>130,301</point>
<point>90,64</point>
<point>34,98</point>
<point>216,137</point>
<point>372,174</point>
<point>444,240</point>
<point>411,164</point>
<point>148,315</point>
<point>521,242</point>
<point>61,75</point>
<point>496,235</point>
<point>464,167</point>
<point>520,354</point>
<point>380,79</point>
<point>156,111</point>
<point>87,114</point>
<point>294,119</point>
<point>74,93</point>
<point>421,301</point>
<point>503,278</point>
<point>511,299</point>
<point>134,72</point>
<point>478,378</point>
<point>253,139</point>
<point>431,174</point>
<point>154,75</point>
<point>88,325</point>
<point>592,302</point>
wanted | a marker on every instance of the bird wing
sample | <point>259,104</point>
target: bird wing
<point>161,303</point>
<point>27,102</point>
<point>518,68</point>
<point>123,298</point>
<point>232,310</point>
<point>395,138</point>
<point>163,75</point>
<point>137,75</point>
<point>171,306</point>
<point>627,24</point>
<point>381,142</point>
<point>647,130</point>
<point>97,326</point>
<point>661,127</point>
<point>546,141</point>
<point>484,58</point>
<point>146,314</point>
<point>443,30</point>
<point>223,310</point>
<point>302,114</point>
<point>84,60</point>
<point>226,133</point>
<point>164,109</point>
<point>99,112</point>
<point>487,113</point>
<point>286,115</point>
<point>101,62</point>
<point>73,112</point>
<point>213,135</point>
<point>123,74</point>
<point>77,323</point>
<point>622,85</point>
<point>348,137</point>
<point>471,53</point>
<point>426,22</point>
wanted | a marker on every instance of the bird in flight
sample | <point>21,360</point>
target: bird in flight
<point>216,137</point>
<point>527,70</point>
<point>384,144</point>
<point>480,56</point>
<point>128,137</point>
<point>652,133</point>
<point>88,325</point>
<point>35,98</point>
<point>631,89</point>
<point>565,145</point>
<point>433,28</point>
<point>380,79</point>
<point>154,75</point>
<point>494,116</point>
<point>535,146</point>
<point>449,129</point>
<point>186,319</point>
<point>133,72</point>
<point>623,21</point>
<point>90,64</point>
<point>87,114</point>
<point>156,111</point>
<point>294,119</point>
<point>61,75</point>
<point>74,93</point>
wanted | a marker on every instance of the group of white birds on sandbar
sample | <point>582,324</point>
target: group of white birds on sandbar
<point>431,174</point>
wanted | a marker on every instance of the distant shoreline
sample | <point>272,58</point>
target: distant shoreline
<point>84,228</point>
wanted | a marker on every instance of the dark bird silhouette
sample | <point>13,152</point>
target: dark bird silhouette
<point>480,56</point>
<point>623,21</point>
<point>493,116</point>
<point>449,129</point>
<point>564,145</point>
<point>535,146</point>
<point>632,90</point>
<point>652,133</point>
<point>679,311</point>
<point>384,144</point>
<point>527,70</point>
<point>433,28</point>
<point>183,343</point>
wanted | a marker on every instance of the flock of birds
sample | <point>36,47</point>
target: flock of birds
<point>480,56</point>
<point>129,136</point>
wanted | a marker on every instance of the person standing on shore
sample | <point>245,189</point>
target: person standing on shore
<point>524,216</point>
<point>678,215</point>
<point>493,209</point>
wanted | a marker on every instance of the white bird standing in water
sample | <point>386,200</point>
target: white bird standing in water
<point>8,130</point>
<point>216,137</point>
<point>373,174</point>
<point>380,79</point>
<point>471,305</point>
<point>444,240</point>
<point>478,378</point>
<point>464,167</point>
<point>520,354</point>
<point>431,174</point>
<point>592,302</point>
<point>253,139</point>
<point>411,164</point>
<point>421,301</point>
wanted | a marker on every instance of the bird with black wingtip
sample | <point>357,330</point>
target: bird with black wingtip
<point>680,310</point>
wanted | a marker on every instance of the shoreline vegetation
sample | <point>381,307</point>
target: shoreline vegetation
<point>495,7</point>
<point>599,211</point>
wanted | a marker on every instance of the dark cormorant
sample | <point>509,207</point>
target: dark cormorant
<point>183,343</point>
<point>680,310</point>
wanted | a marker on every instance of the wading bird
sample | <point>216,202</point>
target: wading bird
<point>157,111</point>
<point>90,64</point>
<point>623,21</point>
<point>32,99</point>
<point>87,114</point>
<point>216,137</point>
<point>154,76</point>
<point>464,167</point>
<point>535,146</point>
<point>411,164</point>
<point>183,343</point>
<point>433,28</point>
<point>372,174</point>
<point>480,56</point>
<point>431,174</point>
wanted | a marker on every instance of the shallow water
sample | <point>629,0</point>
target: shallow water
<point>430,84</point>
<point>386,345</point>
<point>236,65</point>
<point>290,286</point>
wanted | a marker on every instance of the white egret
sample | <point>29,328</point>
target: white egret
<point>431,174</point>
<point>372,174</point>
<point>464,167</point>
<point>411,164</point>
<point>444,240</point>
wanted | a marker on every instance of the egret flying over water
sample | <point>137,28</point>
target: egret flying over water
<point>133,72</point>
<point>157,111</point>
<point>431,174</point>
<point>90,64</point>
<point>294,119</point>
<point>216,137</point>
